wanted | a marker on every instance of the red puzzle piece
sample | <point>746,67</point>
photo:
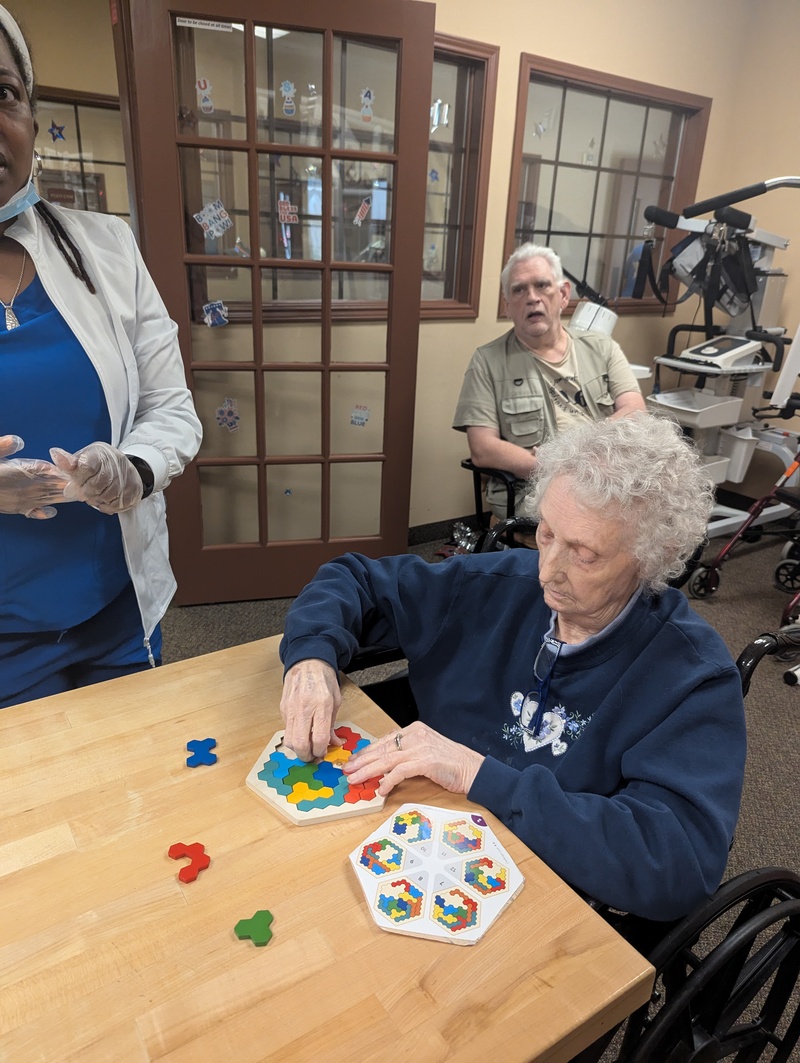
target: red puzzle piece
<point>197,855</point>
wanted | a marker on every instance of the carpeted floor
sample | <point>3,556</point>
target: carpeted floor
<point>746,604</point>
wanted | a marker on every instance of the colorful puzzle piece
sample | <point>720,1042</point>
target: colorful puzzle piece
<point>257,928</point>
<point>456,877</point>
<point>317,790</point>
<point>200,748</point>
<point>197,857</point>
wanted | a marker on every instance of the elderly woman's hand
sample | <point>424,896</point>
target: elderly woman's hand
<point>415,750</point>
<point>101,476</point>
<point>309,704</point>
<point>28,486</point>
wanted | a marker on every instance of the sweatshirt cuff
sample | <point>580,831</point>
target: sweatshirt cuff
<point>303,649</point>
<point>494,788</point>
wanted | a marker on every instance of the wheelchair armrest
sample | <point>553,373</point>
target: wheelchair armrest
<point>510,481</point>
<point>501,529</point>
<point>508,478</point>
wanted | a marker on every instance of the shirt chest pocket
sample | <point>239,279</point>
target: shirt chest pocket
<point>523,416</point>
<point>598,391</point>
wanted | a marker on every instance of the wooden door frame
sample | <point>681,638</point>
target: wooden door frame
<point>145,85</point>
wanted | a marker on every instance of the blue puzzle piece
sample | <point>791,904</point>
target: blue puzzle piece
<point>200,748</point>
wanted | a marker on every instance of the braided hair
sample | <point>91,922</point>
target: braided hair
<point>64,242</point>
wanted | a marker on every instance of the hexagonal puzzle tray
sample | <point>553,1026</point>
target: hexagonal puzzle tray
<point>436,873</point>
<point>318,790</point>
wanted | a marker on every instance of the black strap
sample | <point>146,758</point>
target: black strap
<point>646,274</point>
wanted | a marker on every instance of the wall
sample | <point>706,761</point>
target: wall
<point>721,49</point>
<point>71,43</point>
<point>741,53</point>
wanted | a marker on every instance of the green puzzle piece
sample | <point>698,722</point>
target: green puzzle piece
<point>257,928</point>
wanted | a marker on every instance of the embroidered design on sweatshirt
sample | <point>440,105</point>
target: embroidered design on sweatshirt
<point>559,727</point>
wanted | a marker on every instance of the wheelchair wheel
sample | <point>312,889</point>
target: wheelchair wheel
<point>791,551</point>
<point>733,999</point>
<point>787,576</point>
<point>690,566</point>
<point>703,582</point>
<point>753,535</point>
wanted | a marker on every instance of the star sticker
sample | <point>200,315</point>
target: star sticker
<point>434,175</point>
<point>56,131</point>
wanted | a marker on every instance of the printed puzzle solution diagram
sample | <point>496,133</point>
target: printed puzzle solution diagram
<point>436,873</point>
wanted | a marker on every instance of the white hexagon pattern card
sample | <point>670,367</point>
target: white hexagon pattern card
<point>436,873</point>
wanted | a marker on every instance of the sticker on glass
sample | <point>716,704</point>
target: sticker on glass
<point>359,416</point>
<point>203,89</point>
<point>213,219</point>
<point>228,415</point>
<point>215,314</point>
<point>367,99</point>
<point>363,210</point>
<point>288,91</point>
<point>56,131</point>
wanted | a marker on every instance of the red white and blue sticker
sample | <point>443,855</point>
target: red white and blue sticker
<point>228,415</point>
<point>363,210</point>
<point>213,219</point>
<point>215,314</point>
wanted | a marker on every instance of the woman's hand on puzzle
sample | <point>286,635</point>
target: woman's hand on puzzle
<point>309,704</point>
<point>415,750</point>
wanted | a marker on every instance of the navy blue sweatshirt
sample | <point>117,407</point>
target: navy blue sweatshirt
<point>630,790</point>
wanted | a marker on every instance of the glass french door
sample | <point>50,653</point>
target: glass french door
<point>279,158</point>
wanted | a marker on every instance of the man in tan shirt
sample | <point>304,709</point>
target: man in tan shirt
<point>539,377</point>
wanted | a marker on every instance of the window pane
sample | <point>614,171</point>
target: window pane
<point>101,134</point>
<point>359,341</point>
<point>234,343</point>
<point>292,342</point>
<point>536,188</point>
<point>572,204</point>
<point>293,413</point>
<point>362,211</point>
<point>355,499</point>
<point>541,120</point>
<point>446,179</point>
<point>360,287</point>
<point>209,66</point>
<point>294,502</point>
<point>225,404</point>
<point>216,201</point>
<point>299,291</point>
<point>624,129</point>
<point>289,87</point>
<point>661,142</point>
<point>215,291</point>
<point>229,497</point>
<point>357,401</point>
<point>582,130</point>
<point>290,206</point>
<point>365,80</point>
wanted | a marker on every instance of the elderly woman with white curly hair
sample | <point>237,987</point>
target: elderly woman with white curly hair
<point>571,692</point>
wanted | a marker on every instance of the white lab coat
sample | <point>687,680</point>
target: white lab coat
<point>133,345</point>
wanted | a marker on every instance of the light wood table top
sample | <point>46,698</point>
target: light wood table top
<point>106,956</point>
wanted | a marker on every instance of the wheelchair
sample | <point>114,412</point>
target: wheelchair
<point>726,984</point>
<point>482,521</point>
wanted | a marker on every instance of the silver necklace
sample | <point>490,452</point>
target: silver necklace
<point>12,320</point>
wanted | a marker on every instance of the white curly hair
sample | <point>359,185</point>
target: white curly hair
<point>642,470</point>
<point>522,254</point>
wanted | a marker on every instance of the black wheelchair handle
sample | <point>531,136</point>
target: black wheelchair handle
<point>765,645</point>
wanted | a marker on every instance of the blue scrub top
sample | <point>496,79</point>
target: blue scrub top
<point>54,573</point>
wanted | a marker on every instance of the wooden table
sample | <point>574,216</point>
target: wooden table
<point>105,956</point>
